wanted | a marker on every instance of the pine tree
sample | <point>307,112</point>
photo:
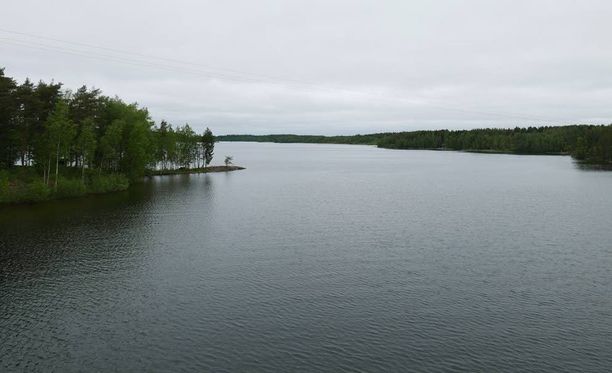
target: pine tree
<point>208,143</point>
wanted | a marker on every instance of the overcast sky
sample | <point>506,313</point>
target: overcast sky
<point>325,67</point>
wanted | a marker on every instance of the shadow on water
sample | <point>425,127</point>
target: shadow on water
<point>135,199</point>
<point>74,272</point>
<point>34,236</point>
<point>592,166</point>
<point>15,216</point>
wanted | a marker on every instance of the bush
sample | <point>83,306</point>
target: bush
<point>70,188</point>
<point>23,185</point>
<point>4,187</point>
<point>34,192</point>
<point>108,183</point>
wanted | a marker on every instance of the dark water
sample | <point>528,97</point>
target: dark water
<point>318,258</point>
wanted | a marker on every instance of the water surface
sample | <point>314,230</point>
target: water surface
<point>318,258</point>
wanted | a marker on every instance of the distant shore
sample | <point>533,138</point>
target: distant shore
<point>585,143</point>
<point>201,170</point>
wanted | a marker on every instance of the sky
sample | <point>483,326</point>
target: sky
<point>325,67</point>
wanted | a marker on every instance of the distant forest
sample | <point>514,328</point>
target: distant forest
<point>55,142</point>
<point>584,142</point>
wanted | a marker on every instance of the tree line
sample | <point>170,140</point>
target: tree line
<point>584,142</point>
<point>589,143</point>
<point>57,131</point>
<point>308,139</point>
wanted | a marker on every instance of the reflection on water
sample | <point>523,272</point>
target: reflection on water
<point>318,257</point>
<point>593,167</point>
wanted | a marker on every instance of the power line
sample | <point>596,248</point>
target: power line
<point>170,65</point>
<point>148,57</point>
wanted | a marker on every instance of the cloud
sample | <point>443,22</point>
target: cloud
<point>327,67</point>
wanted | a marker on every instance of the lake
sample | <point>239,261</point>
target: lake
<point>318,258</point>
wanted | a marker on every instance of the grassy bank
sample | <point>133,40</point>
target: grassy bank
<point>25,185</point>
<point>200,170</point>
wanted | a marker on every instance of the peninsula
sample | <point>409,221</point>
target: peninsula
<point>57,143</point>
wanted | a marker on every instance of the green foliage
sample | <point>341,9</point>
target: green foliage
<point>61,131</point>
<point>186,146</point>
<point>4,186</point>
<point>59,135</point>
<point>83,142</point>
<point>22,190</point>
<point>108,183</point>
<point>42,126</point>
<point>86,105</point>
<point>86,142</point>
<point>70,188</point>
<point>165,141</point>
<point>34,192</point>
<point>589,143</point>
<point>8,108</point>
<point>356,139</point>
<point>137,149</point>
<point>208,143</point>
<point>110,145</point>
<point>22,184</point>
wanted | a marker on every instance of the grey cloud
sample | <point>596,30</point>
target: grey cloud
<point>329,67</point>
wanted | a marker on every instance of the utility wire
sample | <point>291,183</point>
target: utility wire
<point>170,65</point>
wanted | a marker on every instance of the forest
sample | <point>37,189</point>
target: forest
<point>59,143</point>
<point>584,142</point>
<point>587,143</point>
<point>313,139</point>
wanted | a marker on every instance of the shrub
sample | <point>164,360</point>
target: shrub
<point>108,183</point>
<point>34,191</point>
<point>4,187</point>
<point>70,188</point>
<point>20,187</point>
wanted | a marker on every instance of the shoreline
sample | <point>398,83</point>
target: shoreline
<point>607,165</point>
<point>184,171</point>
<point>15,196</point>
<point>479,151</point>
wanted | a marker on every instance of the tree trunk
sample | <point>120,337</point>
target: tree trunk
<point>57,164</point>
<point>48,170</point>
